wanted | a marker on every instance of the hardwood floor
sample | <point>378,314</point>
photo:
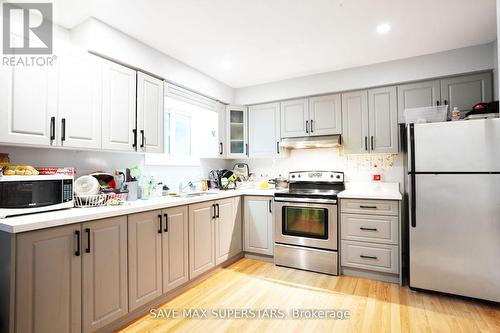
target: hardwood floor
<point>374,306</point>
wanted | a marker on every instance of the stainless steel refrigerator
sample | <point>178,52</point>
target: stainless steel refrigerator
<point>454,207</point>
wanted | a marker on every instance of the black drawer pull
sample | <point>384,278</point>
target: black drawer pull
<point>369,229</point>
<point>369,207</point>
<point>159,223</point>
<point>367,257</point>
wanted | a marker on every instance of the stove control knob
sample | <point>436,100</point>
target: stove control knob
<point>331,176</point>
<point>338,176</point>
<point>293,176</point>
<point>299,176</point>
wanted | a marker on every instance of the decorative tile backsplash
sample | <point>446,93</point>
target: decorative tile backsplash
<point>369,162</point>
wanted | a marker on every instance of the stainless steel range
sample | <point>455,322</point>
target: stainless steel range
<point>306,221</point>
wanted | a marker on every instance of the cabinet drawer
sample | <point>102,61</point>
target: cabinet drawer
<point>374,257</point>
<point>369,228</point>
<point>366,206</point>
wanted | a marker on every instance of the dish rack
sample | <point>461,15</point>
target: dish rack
<point>98,200</point>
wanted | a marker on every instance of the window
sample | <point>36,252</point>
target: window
<point>190,133</point>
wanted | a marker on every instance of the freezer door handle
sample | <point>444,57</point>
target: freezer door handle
<point>413,201</point>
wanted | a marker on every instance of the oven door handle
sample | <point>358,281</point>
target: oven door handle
<point>306,200</point>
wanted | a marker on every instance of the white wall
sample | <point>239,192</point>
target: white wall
<point>99,37</point>
<point>469,59</point>
<point>497,81</point>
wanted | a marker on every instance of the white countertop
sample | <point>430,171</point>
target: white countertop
<point>30,222</point>
<point>375,190</point>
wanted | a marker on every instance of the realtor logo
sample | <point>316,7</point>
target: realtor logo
<point>27,28</point>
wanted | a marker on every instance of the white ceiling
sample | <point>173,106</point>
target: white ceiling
<point>269,40</point>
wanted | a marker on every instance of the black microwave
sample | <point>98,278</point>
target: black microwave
<point>34,194</point>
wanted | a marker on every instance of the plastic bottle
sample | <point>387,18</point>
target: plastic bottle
<point>455,114</point>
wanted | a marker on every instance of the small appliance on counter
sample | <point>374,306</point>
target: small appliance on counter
<point>21,195</point>
<point>241,171</point>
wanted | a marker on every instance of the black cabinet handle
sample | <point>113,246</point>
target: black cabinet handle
<point>134,131</point>
<point>371,142</point>
<point>142,138</point>
<point>312,128</point>
<point>270,206</point>
<point>307,126</point>
<point>413,192</point>
<point>218,210</point>
<point>52,128</point>
<point>159,223</point>
<point>246,148</point>
<point>366,143</point>
<point>214,215</point>
<point>87,230</point>
<point>77,252</point>
<point>445,102</point>
<point>63,129</point>
<point>437,103</point>
<point>368,229</point>
<point>370,207</point>
<point>166,222</point>
<point>221,148</point>
<point>367,257</point>
<point>278,147</point>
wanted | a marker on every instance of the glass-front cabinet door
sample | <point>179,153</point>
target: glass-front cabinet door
<point>236,131</point>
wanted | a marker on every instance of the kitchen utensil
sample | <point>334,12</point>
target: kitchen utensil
<point>86,185</point>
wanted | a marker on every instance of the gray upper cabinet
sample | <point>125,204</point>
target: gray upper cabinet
<point>144,258</point>
<point>415,95</point>
<point>465,91</point>
<point>325,115</point>
<point>175,247</point>
<point>382,120</point>
<point>201,238</point>
<point>295,118</point>
<point>355,122</point>
<point>48,281</point>
<point>264,130</point>
<point>104,275</point>
<point>227,229</point>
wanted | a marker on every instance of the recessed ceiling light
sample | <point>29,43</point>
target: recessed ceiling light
<point>383,28</point>
<point>226,65</point>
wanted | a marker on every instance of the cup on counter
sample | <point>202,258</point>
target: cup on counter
<point>132,188</point>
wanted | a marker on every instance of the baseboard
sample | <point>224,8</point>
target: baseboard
<point>138,313</point>
<point>261,257</point>
<point>379,276</point>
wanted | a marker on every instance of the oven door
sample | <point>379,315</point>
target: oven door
<point>306,224</point>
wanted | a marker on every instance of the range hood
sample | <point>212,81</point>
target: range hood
<point>307,142</point>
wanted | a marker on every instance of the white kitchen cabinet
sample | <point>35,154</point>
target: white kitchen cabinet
<point>416,95</point>
<point>465,91</point>
<point>355,122</point>
<point>236,131</point>
<point>79,99</point>
<point>295,118</point>
<point>222,132</point>
<point>259,225</point>
<point>149,114</point>
<point>264,130</point>
<point>382,120</point>
<point>28,105</point>
<point>325,115</point>
<point>118,114</point>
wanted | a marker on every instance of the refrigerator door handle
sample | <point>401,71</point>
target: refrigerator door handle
<point>412,177</point>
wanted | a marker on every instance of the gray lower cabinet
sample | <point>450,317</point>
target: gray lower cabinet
<point>465,91</point>
<point>49,281</point>
<point>416,95</point>
<point>259,225</point>
<point>175,247</point>
<point>227,229</point>
<point>144,258</point>
<point>201,238</point>
<point>104,275</point>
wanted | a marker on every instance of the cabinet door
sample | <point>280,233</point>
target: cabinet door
<point>175,247</point>
<point>28,101</point>
<point>465,91</point>
<point>48,281</point>
<point>326,115</point>
<point>201,238</point>
<point>416,95</point>
<point>383,120</point>
<point>259,225</point>
<point>144,258</point>
<point>104,276</point>
<point>227,230</point>
<point>264,130</point>
<point>118,114</point>
<point>236,131</point>
<point>80,100</point>
<point>149,113</point>
<point>295,118</point>
<point>222,132</point>
<point>355,122</point>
